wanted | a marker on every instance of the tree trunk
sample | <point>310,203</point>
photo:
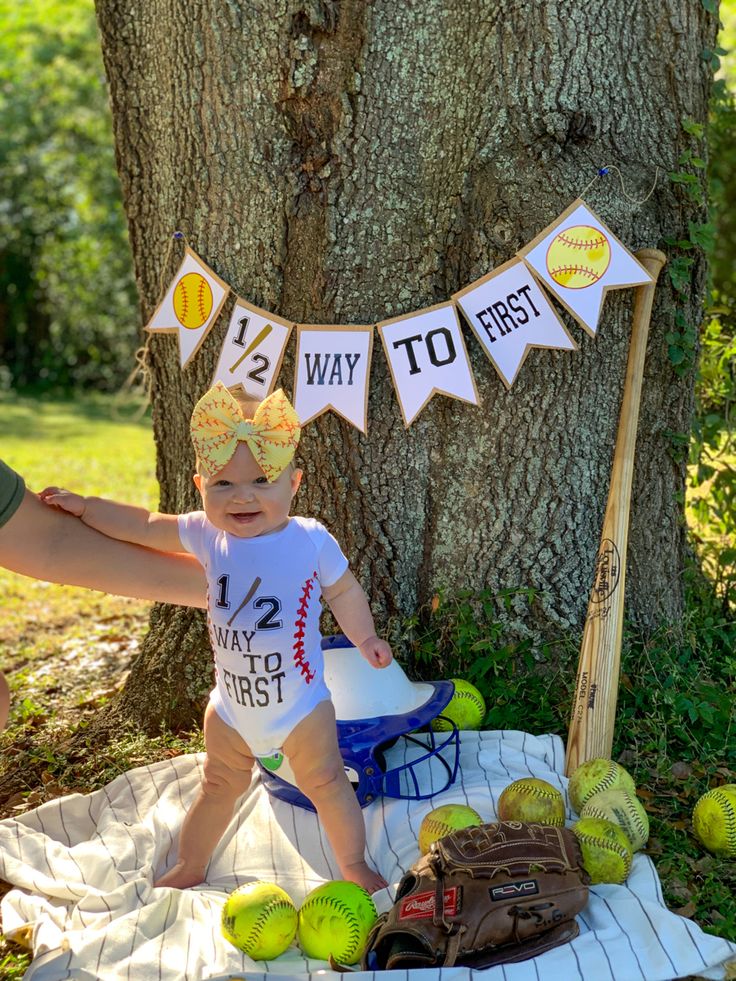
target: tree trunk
<point>345,162</point>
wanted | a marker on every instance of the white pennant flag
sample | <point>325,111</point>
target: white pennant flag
<point>332,370</point>
<point>253,350</point>
<point>509,314</point>
<point>190,306</point>
<point>426,354</point>
<point>579,258</point>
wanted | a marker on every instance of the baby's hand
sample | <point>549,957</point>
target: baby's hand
<point>64,499</point>
<point>376,652</point>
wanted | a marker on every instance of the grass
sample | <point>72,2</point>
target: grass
<point>77,444</point>
<point>67,650</point>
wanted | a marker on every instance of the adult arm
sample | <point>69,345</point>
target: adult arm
<point>46,543</point>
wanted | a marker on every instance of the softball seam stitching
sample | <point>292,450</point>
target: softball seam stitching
<point>351,922</point>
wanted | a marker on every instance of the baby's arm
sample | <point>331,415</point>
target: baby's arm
<point>122,521</point>
<point>349,604</point>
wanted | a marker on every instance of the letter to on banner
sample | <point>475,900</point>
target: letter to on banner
<point>578,258</point>
<point>190,306</point>
<point>426,354</point>
<point>332,371</point>
<point>509,313</point>
<point>253,349</point>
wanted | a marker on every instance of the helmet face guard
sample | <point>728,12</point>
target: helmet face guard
<point>391,752</point>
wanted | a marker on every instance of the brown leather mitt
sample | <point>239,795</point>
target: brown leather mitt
<point>484,895</point>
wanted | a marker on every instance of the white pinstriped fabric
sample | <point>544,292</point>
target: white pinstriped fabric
<point>83,868</point>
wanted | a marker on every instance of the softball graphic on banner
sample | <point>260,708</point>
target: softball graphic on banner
<point>426,354</point>
<point>253,349</point>
<point>509,314</point>
<point>578,258</point>
<point>332,369</point>
<point>190,306</point>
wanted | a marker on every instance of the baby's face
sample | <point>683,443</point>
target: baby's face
<point>239,499</point>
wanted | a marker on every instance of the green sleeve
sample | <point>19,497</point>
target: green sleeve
<point>12,489</point>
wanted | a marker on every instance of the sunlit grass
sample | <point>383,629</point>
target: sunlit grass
<point>82,444</point>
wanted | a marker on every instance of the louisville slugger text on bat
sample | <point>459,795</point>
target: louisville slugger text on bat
<point>596,689</point>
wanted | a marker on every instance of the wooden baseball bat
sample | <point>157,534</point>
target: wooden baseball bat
<point>596,689</point>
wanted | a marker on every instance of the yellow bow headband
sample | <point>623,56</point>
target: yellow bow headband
<point>218,425</point>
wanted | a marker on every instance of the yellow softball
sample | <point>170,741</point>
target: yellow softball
<point>466,708</point>
<point>335,919</point>
<point>260,919</point>
<point>714,820</point>
<point>578,256</point>
<point>531,799</point>
<point>443,821</point>
<point>607,852</point>
<point>192,300</point>
<point>597,775</point>
<point>624,809</point>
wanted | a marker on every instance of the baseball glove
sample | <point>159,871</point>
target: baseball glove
<point>481,896</point>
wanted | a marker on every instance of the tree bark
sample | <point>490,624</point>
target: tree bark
<point>345,162</point>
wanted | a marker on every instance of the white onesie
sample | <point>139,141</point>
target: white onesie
<point>268,658</point>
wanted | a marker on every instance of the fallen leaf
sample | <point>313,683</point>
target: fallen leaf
<point>705,864</point>
<point>688,910</point>
<point>681,770</point>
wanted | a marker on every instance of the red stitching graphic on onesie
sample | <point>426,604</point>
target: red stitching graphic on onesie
<point>301,624</point>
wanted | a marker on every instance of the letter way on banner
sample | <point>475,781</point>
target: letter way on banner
<point>578,258</point>
<point>253,350</point>
<point>426,354</point>
<point>332,371</point>
<point>190,306</point>
<point>509,314</point>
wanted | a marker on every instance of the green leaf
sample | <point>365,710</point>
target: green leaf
<point>679,270</point>
<point>693,128</point>
<point>681,177</point>
<point>702,234</point>
<point>676,354</point>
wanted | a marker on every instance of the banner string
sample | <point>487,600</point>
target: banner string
<point>141,355</point>
<point>604,171</point>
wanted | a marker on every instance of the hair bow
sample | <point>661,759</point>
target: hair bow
<point>218,425</point>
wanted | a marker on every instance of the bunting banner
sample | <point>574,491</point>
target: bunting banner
<point>509,314</point>
<point>253,350</point>
<point>578,258</point>
<point>426,355</point>
<point>190,306</point>
<point>332,371</point>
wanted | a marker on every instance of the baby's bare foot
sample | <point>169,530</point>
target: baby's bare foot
<point>180,877</point>
<point>364,876</point>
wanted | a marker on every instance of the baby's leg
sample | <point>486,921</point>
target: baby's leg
<point>314,756</point>
<point>227,774</point>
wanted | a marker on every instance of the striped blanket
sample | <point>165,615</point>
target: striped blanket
<point>82,868</point>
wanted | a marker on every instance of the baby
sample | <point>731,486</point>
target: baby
<point>265,571</point>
